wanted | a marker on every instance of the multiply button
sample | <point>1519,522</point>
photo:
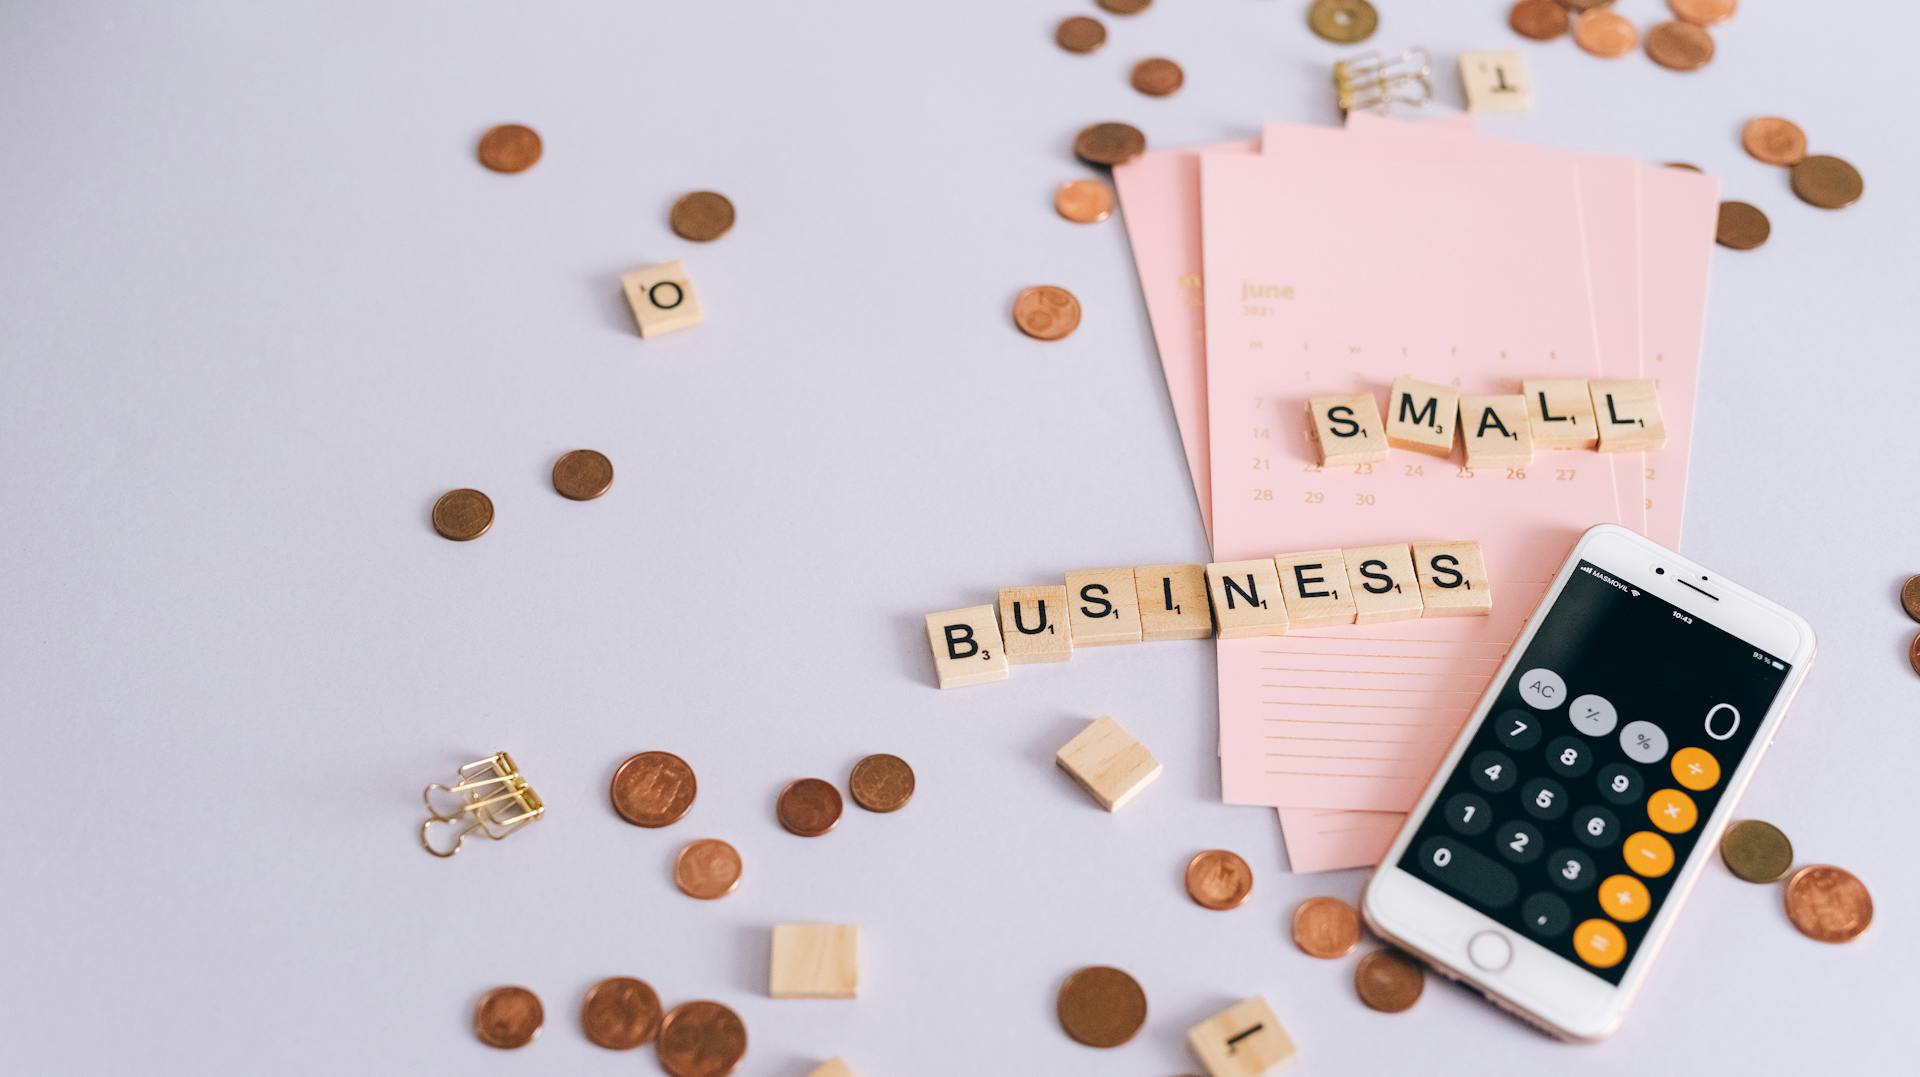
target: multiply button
<point>1696,768</point>
<point>1672,811</point>
<point>1599,943</point>
<point>1542,689</point>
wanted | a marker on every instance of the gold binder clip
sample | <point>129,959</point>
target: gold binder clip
<point>489,795</point>
<point>1376,83</point>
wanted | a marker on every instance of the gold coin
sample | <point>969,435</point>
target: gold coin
<point>1910,597</point>
<point>1083,201</point>
<point>1774,140</point>
<point>1325,927</point>
<point>1828,904</point>
<point>702,216</point>
<point>1101,1006</point>
<point>1125,7</point>
<point>620,1013</point>
<point>582,475</point>
<point>882,783</point>
<point>1218,879</point>
<point>510,148</point>
<point>1157,77</point>
<point>1080,33</point>
<point>1703,12</point>
<point>1827,182</point>
<point>462,515</point>
<point>508,1017</point>
<point>1540,20</point>
<point>707,869</point>
<point>1755,851</point>
<point>809,807</point>
<point>1109,144</point>
<point>701,1039</point>
<point>1045,312</point>
<point>1742,226</point>
<point>1388,981</point>
<point>1604,33</point>
<point>653,789</point>
<point>1679,46</point>
<point>1343,22</point>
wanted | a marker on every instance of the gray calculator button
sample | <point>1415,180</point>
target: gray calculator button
<point>1593,715</point>
<point>1643,742</point>
<point>1542,689</point>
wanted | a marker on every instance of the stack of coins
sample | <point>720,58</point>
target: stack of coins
<point>1826,903</point>
<point>1679,44</point>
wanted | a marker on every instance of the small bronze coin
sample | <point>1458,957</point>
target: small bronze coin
<point>1325,927</point>
<point>1910,597</point>
<point>508,1017</point>
<point>1827,182</point>
<point>1702,12</point>
<point>582,475</point>
<point>1157,77</point>
<point>1683,166</point>
<point>1757,852</point>
<point>1540,20</point>
<point>1913,655</point>
<point>707,869</point>
<point>1742,226</point>
<point>1774,140</point>
<point>1604,33</point>
<point>653,789</point>
<point>1101,1006</point>
<point>1828,904</point>
<point>881,783</point>
<point>510,148</point>
<point>1679,46</point>
<point>1083,201</point>
<point>1080,33</point>
<point>1578,6</point>
<point>1388,981</point>
<point>462,515</point>
<point>702,216</point>
<point>1218,879</point>
<point>701,1039</point>
<point>620,1013</point>
<point>1045,312</point>
<point>1125,7</point>
<point>809,807</point>
<point>1109,144</point>
<point>1343,22</point>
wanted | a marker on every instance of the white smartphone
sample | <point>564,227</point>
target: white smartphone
<point>1552,851</point>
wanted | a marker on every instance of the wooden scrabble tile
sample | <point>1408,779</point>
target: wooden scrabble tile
<point>832,1067</point>
<point>1314,586</point>
<point>1496,82</point>
<point>1246,598</point>
<point>966,647</point>
<point>1173,602</point>
<point>1033,624</point>
<point>1243,1040</point>
<point>1383,583</point>
<point>1453,579</point>
<point>1103,607</point>
<point>1627,411</point>
<point>1560,412</point>
<point>1108,763</point>
<point>1347,429</point>
<point>1421,416</point>
<point>1496,431</point>
<point>662,299</point>
<point>815,961</point>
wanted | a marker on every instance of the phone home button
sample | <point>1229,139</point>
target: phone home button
<point>1490,950</point>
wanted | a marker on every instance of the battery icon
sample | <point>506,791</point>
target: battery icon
<point>1779,665</point>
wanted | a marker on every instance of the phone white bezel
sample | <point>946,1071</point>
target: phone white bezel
<point>1541,986</point>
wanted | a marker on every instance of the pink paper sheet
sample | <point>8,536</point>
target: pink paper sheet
<point>1679,212</point>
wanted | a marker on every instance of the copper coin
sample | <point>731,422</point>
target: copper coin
<point>1218,879</point>
<point>707,869</point>
<point>582,475</point>
<point>1828,904</point>
<point>1388,981</point>
<point>462,515</point>
<point>1679,46</point>
<point>1578,6</point>
<point>1540,20</point>
<point>1101,1006</point>
<point>620,1013</point>
<point>510,148</point>
<point>1683,166</point>
<point>1125,7</point>
<point>1827,182</point>
<point>1742,226</point>
<point>1910,597</point>
<point>1080,33</point>
<point>1702,12</point>
<point>702,216</point>
<point>1913,655</point>
<point>508,1017</point>
<point>1343,22</point>
<point>1157,77</point>
<point>881,783</point>
<point>1045,312</point>
<point>701,1039</point>
<point>1325,927</point>
<point>1109,144</point>
<point>1757,852</point>
<point>1083,201</point>
<point>1774,140</point>
<point>653,789</point>
<point>809,807</point>
<point>1604,33</point>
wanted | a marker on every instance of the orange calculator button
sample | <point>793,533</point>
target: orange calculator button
<point>1696,769</point>
<point>1624,898</point>
<point>1648,854</point>
<point>1599,943</point>
<point>1672,811</point>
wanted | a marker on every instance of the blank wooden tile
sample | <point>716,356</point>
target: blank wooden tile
<point>1243,1040</point>
<point>815,961</point>
<point>1496,431</point>
<point>832,1067</point>
<point>966,646</point>
<point>1383,583</point>
<point>1033,624</point>
<point>1453,579</point>
<point>1108,763</point>
<point>1421,416</point>
<point>1347,429</point>
<point>1315,588</point>
<point>1496,82</point>
<point>1173,602</point>
<point>1627,411</point>
<point>1246,598</point>
<point>662,299</point>
<point>1560,413</point>
<point>1103,607</point>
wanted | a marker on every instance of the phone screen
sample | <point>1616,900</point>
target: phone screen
<point>1584,791</point>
